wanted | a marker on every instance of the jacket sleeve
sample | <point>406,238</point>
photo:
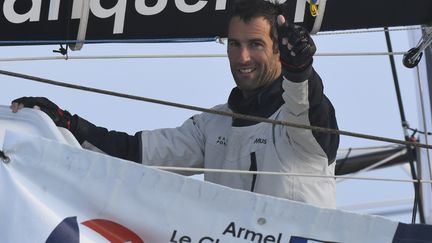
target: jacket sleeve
<point>117,144</point>
<point>182,146</point>
<point>305,103</point>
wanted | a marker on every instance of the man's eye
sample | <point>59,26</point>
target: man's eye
<point>256,44</point>
<point>232,44</point>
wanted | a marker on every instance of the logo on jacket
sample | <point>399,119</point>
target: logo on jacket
<point>221,140</point>
<point>260,141</point>
<point>68,231</point>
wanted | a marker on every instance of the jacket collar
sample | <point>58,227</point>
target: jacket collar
<point>263,104</point>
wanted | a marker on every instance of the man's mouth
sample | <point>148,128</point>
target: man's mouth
<point>246,70</point>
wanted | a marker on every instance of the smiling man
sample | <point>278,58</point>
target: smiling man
<point>254,62</point>
<point>271,62</point>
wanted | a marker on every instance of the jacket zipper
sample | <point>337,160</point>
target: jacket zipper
<point>253,168</point>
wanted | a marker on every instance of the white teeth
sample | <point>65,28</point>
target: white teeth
<point>246,70</point>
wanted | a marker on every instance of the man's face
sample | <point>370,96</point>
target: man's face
<point>250,52</point>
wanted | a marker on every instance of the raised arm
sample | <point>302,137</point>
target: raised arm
<point>305,102</point>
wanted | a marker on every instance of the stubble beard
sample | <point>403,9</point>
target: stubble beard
<point>256,82</point>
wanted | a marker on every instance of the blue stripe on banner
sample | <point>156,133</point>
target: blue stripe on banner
<point>296,239</point>
<point>66,232</point>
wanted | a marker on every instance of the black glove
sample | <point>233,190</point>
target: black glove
<point>301,47</point>
<point>61,118</point>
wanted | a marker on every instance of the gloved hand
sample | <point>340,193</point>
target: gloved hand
<point>61,118</point>
<point>296,46</point>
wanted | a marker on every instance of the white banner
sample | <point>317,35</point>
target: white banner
<point>52,192</point>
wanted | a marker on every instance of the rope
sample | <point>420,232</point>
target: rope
<point>346,150</point>
<point>47,58</point>
<point>377,204</point>
<point>222,113</point>
<point>113,57</point>
<point>379,163</point>
<point>247,172</point>
<point>415,130</point>
<point>345,32</point>
<point>420,87</point>
<point>106,41</point>
<point>174,40</point>
<point>360,54</point>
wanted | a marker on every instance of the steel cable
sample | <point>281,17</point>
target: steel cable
<point>222,113</point>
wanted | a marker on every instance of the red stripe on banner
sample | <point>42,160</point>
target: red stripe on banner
<point>114,232</point>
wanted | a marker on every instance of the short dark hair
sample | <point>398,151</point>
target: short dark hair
<point>250,9</point>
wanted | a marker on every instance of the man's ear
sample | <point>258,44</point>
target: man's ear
<point>276,48</point>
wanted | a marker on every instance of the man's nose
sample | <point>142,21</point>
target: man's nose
<point>244,55</point>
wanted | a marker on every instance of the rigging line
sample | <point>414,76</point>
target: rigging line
<point>48,58</point>
<point>376,204</point>
<point>169,40</point>
<point>384,212</point>
<point>216,112</point>
<point>379,163</point>
<point>420,87</point>
<point>368,148</point>
<point>392,212</point>
<point>405,125</point>
<point>422,218</point>
<point>248,172</point>
<point>345,32</point>
<point>335,54</point>
<point>417,131</point>
<point>110,41</point>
